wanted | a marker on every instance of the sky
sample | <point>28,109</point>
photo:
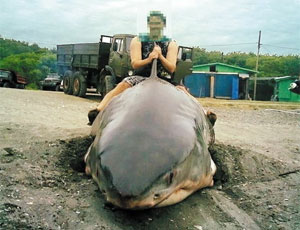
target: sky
<point>221,25</point>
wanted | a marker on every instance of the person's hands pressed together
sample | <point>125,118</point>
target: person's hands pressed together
<point>153,55</point>
<point>157,49</point>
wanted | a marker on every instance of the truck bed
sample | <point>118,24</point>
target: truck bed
<point>82,55</point>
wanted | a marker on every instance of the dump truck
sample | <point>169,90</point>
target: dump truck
<point>104,64</point>
<point>11,79</point>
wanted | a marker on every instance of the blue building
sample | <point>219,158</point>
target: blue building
<point>219,80</point>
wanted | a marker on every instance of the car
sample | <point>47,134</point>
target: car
<point>51,82</point>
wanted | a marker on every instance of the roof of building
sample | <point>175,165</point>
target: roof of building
<point>275,78</point>
<point>285,78</point>
<point>225,65</point>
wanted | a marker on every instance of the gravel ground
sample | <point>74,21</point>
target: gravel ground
<point>43,136</point>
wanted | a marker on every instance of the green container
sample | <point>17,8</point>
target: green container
<point>281,89</point>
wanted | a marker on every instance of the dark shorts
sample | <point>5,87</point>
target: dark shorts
<point>134,80</point>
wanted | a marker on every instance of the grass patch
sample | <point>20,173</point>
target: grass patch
<point>32,86</point>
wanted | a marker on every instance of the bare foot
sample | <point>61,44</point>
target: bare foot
<point>212,117</point>
<point>92,115</point>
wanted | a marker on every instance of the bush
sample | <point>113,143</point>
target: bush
<point>32,86</point>
<point>33,66</point>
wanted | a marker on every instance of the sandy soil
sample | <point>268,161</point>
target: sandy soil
<point>43,136</point>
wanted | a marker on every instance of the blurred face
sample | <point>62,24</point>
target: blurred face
<point>155,22</point>
<point>156,26</point>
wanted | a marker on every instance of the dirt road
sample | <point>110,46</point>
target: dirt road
<point>43,136</point>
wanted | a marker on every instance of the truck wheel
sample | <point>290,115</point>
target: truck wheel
<point>79,85</point>
<point>6,85</point>
<point>21,86</point>
<point>109,83</point>
<point>101,87</point>
<point>68,82</point>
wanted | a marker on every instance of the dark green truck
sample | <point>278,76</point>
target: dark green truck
<point>11,79</point>
<point>104,64</point>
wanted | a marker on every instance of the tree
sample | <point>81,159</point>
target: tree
<point>10,47</point>
<point>33,66</point>
<point>269,65</point>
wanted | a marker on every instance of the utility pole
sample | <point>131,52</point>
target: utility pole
<point>256,67</point>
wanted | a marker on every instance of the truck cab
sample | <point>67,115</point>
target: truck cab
<point>119,63</point>
<point>184,64</point>
<point>11,79</point>
<point>119,57</point>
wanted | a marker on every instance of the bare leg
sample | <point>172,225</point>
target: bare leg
<point>212,117</point>
<point>117,90</point>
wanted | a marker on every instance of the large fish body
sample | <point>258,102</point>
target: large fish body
<point>151,147</point>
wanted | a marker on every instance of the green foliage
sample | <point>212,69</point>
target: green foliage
<point>201,56</point>
<point>32,86</point>
<point>35,63</point>
<point>33,66</point>
<point>29,61</point>
<point>11,47</point>
<point>269,65</point>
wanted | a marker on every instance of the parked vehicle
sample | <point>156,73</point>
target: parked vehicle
<point>52,82</point>
<point>104,64</point>
<point>11,79</point>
